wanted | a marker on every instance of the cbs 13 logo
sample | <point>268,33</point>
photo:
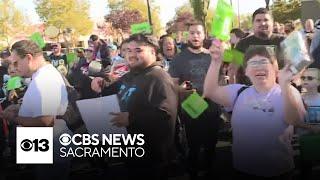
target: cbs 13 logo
<point>35,145</point>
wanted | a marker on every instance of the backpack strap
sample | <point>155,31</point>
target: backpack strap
<point>238,93</point>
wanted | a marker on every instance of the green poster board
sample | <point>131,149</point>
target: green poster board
<point>71,57</point>
<point>222,21</point>
<point>37,38</point>
<point>140,28</point>
<point>233,56</point>
<point>14,83</point>
<point>194,105</point>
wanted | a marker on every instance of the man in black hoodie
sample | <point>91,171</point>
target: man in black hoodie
<point>148,103</point>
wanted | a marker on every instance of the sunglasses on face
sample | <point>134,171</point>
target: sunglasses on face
<point>309,78</point>
<point>256,63</point>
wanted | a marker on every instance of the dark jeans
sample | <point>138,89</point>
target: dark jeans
<point>202,133</point>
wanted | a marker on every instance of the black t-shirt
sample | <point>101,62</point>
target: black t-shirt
<point>60,60</point>
<point>244,44</point>
<point>252,40</point>
<point>150,97</point>
<point>188,66</point>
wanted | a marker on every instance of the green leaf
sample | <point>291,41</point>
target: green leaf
<point>194,105</point>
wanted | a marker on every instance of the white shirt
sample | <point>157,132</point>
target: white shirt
<point>46,94</point>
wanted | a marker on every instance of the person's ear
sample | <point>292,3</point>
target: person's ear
<point>29,58</point>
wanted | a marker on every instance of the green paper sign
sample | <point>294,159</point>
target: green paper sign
<point>71,57</point>
<point>194,105</point>
<point>222,21</point>
<point>233,56</point>
<point>37,38</point>
<point>310,147</point>
<point>228,56</point>
<point>238,57</point>
<point>140,28</point>
<point>14,83</point>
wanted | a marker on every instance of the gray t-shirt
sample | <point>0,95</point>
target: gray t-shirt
<point>188,66</point>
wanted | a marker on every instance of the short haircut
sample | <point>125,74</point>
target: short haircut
<point>143,39</point>
<point>126,41</point>
<point>261,11</point>
<point>238,32</point>
<point>94,37</point>
<point>24,47</point>
<point>195,23</point>
<point>264,51</point>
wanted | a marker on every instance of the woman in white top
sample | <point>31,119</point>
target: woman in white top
<point>262,113</point>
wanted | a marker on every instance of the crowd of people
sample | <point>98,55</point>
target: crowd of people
<point>264,100</point>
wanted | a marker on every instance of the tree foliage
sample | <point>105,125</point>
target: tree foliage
<point>12,21</point>
<point>184,15</point>
<point>200,9</point>
<point>66,15</point>
<point>122,19</point>
<point>284,10</point>
<point>135,8</point>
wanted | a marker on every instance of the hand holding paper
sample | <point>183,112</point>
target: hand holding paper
<point>121,119</point>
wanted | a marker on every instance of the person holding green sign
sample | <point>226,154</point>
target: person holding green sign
<point>262,114</point>
<point>190,67</point>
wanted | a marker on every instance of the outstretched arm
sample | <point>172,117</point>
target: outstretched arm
<point>212,89</point>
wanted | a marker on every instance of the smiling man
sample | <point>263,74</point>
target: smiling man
<point>148,103</point>
<point>262,21</point>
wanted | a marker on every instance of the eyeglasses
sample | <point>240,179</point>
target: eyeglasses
<point>257,63</point>
<point>309,78</point>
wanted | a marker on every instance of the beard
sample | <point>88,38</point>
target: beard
<point>263,35</point>
<point>193,46</point>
